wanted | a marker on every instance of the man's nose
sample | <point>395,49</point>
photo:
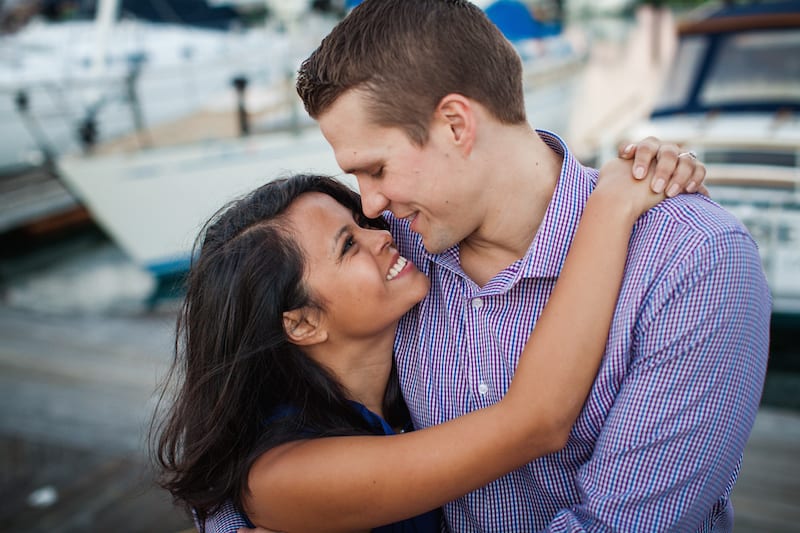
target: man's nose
<point>373,202</point>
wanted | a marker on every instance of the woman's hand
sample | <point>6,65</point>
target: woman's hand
<point>621,192</point>
<point>676,171</point>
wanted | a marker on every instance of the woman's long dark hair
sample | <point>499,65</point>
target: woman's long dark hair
<point>237,386</point>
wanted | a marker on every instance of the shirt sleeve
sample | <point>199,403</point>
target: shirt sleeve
<point>225,520</point>
<point>672,443</point>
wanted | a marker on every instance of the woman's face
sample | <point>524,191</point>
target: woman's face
<point>362,282</point>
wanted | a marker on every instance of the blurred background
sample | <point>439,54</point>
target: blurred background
<point>126,123</point>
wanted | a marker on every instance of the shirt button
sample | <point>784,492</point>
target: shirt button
<point>483,388</point>
<point>477,303</point>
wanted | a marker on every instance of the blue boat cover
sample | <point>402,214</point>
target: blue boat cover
<point>516,21</point>
<point>512,17</point>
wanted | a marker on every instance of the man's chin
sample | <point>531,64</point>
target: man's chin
<point>433,246</point>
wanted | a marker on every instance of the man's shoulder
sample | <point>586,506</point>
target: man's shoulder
<point>688,216</point>
<point>685,235</point>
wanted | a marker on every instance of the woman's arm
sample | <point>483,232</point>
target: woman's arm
<point>350,483</point>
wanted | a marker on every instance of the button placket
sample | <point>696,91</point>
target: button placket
<point>482,388</point>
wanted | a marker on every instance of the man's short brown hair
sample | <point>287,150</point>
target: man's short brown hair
<point>407,55</point>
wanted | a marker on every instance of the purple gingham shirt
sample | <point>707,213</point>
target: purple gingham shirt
<point>227,519</point>
<point>659,442</point>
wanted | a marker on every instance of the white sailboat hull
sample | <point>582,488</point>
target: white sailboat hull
<point>153,203</point>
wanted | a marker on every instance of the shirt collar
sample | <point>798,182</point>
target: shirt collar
<point>547,252</point>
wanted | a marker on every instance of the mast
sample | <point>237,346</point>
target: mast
<point>105,18</point>
<point>93,95</point>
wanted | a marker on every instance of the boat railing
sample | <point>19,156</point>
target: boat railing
<point>81,112</point>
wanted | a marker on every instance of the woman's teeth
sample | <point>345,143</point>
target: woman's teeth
<point>396,268</point>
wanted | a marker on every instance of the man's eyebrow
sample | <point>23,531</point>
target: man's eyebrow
<point>362,166</point>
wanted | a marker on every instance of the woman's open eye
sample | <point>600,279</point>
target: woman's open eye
<point>349,242</point>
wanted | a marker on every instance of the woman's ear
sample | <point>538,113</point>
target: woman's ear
<point>304,327</point>
<point>458,113</point>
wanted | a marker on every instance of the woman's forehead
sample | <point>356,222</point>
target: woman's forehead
<point>318,222</point>
<point>318,205</point>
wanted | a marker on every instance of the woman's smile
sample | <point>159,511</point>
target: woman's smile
<point>399,266</point>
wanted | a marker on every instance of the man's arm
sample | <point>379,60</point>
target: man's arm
<point>684,411</point>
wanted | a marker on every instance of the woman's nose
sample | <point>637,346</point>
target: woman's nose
<point>381,239</point>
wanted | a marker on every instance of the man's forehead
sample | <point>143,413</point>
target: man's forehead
<point>352,149</point>
<point>349,107</point>
<point>347,141</point>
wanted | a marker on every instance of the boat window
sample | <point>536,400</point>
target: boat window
<point>752,157</point>
<point>678,83</point>
<point>755,67</point>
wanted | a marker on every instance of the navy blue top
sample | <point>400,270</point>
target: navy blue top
<point>227,519</point>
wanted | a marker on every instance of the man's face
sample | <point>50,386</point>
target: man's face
<point>426,185</point>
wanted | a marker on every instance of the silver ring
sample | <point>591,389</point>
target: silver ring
<point>690,153</point>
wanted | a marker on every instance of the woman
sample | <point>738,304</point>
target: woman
<point>286,377</point>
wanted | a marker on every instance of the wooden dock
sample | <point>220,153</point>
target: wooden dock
<point>36,201</point>
<point>94,491</point>
<point>75,396</point>
<point>76,392</point>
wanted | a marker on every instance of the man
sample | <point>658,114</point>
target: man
<point>422,101</point>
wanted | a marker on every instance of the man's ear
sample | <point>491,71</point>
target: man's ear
<point>304,327</point>
<point>458,112</point>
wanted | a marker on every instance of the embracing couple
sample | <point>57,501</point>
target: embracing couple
<point>492,337</point>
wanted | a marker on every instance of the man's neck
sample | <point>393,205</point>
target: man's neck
<point>522,187</point>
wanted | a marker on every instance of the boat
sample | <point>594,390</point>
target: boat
<point>70,85</point>
<point>732,97</point>
<point>81,86</point>
<point>152,201</point>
